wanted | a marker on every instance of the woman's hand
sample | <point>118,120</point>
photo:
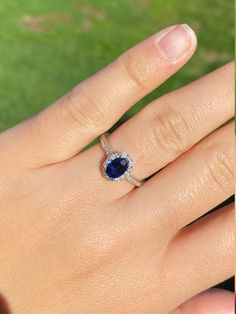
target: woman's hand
<point>75,242</point>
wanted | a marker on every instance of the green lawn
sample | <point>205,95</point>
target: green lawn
<point>48,46</point>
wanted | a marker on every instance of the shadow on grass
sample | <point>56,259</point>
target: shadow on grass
<point>4,308</point>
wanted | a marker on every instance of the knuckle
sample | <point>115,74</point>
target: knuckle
<point>171,132</point>
<point>135,71</point>
<point>79,109</point>
<point>220,167</point>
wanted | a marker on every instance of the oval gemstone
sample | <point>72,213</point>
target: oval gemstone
<point>117,167</point>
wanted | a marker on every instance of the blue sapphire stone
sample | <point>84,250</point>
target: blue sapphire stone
<point>117,167</point>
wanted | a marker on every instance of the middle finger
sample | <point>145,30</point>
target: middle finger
<point>162,131</point>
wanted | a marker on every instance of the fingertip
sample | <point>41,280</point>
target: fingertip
<point>178,43</point>
<point>191,33</point>
<point>221,301</point>
<point>213,301</point>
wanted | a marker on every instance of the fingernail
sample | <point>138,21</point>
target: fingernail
<point>177,42</point>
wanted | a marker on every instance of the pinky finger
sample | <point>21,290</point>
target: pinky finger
<point>213,301</point>
<point>201,255</point>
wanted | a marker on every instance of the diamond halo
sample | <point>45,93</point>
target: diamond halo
<point>114,156</point>
<point>114,163</point>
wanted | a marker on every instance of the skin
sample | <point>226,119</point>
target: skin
<point>74,242</point>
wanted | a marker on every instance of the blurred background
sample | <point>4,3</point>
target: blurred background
<point>48,46</point>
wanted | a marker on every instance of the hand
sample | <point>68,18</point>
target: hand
<point>75,242</point>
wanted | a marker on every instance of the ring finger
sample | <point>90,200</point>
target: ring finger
<point>188,188</point>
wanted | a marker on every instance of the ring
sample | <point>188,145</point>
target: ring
<point>118,165</point>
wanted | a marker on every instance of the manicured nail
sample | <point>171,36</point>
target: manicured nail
<point>177,42</point>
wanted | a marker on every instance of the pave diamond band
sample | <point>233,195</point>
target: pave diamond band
<point>105,145</point>
<point>118,165</point>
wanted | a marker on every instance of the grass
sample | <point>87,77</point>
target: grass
<point>48,46</point>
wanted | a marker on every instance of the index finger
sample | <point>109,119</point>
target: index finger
<point>92,107</point>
